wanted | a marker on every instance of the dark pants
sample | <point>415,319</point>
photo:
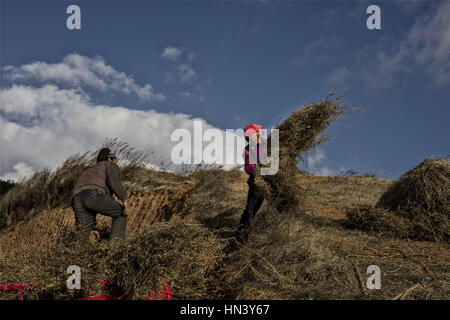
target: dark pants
<point>87,203</point>
<point>254,202</point>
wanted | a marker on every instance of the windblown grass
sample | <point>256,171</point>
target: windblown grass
<point>51,189</point>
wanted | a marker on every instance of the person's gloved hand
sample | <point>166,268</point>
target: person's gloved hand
<point>125,208</point>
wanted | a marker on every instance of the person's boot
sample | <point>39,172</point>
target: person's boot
<point>241,234</point>
<point>119,228</point>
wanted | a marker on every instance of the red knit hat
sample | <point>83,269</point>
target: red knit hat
<point>252,129</point>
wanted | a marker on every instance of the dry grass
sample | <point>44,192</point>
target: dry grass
<point>289,255</point>
<point>334,196</point>
<point>292,252</point>
<point>214,203</point>
<point>305,127</point>
<point>145,209</point>
<point>417,206</point>
<point>301,256</point>
<point>301,131</point>
<point>379,221</point>
<point>47,189</point>
<point>186,255</point>
<point>427,186</point>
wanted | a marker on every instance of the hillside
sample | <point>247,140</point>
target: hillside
<point>313,238</point>
<point>179,228</point>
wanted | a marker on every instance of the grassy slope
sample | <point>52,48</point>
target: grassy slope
<point>303,254</point>
<point>307,254</point>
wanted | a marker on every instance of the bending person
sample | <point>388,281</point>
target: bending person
<point>93,192</point>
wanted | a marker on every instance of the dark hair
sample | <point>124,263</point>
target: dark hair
<point>103,154</point>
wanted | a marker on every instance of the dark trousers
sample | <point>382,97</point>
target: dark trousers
<point>254,202</point>
<point>87,203</point>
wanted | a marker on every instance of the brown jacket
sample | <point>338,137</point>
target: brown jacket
<point>104,175</point>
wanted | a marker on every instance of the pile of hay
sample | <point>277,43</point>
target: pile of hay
<point>188,256</point>
<point>427,187</point>
<point>301,131</point>
<point>417,206</point>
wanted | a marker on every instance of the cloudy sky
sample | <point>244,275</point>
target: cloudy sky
<point>139,70</point>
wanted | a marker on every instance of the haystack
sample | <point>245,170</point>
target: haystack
<point>417,206</point>
<point>425,187</point>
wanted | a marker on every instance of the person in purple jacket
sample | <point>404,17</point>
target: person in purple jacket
<point>252,133</point>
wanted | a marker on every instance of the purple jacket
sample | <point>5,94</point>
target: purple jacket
<point>250,166</point>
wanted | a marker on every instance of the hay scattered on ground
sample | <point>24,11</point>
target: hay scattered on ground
<point>417,206</point>
<point>186,255</point>
<point>301,256</point>
<point>293,255</point>
<point>379,221</point>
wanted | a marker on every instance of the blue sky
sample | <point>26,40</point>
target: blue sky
<point>228,63</point>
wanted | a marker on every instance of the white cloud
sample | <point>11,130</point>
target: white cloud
<point>429,43</point>
<point>186,72</point>
<point>21,171</point>
<point>186,94</point>
<point>182,70</point>
<point>338,75</point>
<point>325,172</point>
<point>316,51</point>
<point>42,126</point>
<point>315,162</point>
<point>172,53</point>
<point>315,158</point>
<point>81,71</point>
<point>425,48</point>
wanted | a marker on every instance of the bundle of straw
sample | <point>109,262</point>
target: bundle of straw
<point>301,131</point>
